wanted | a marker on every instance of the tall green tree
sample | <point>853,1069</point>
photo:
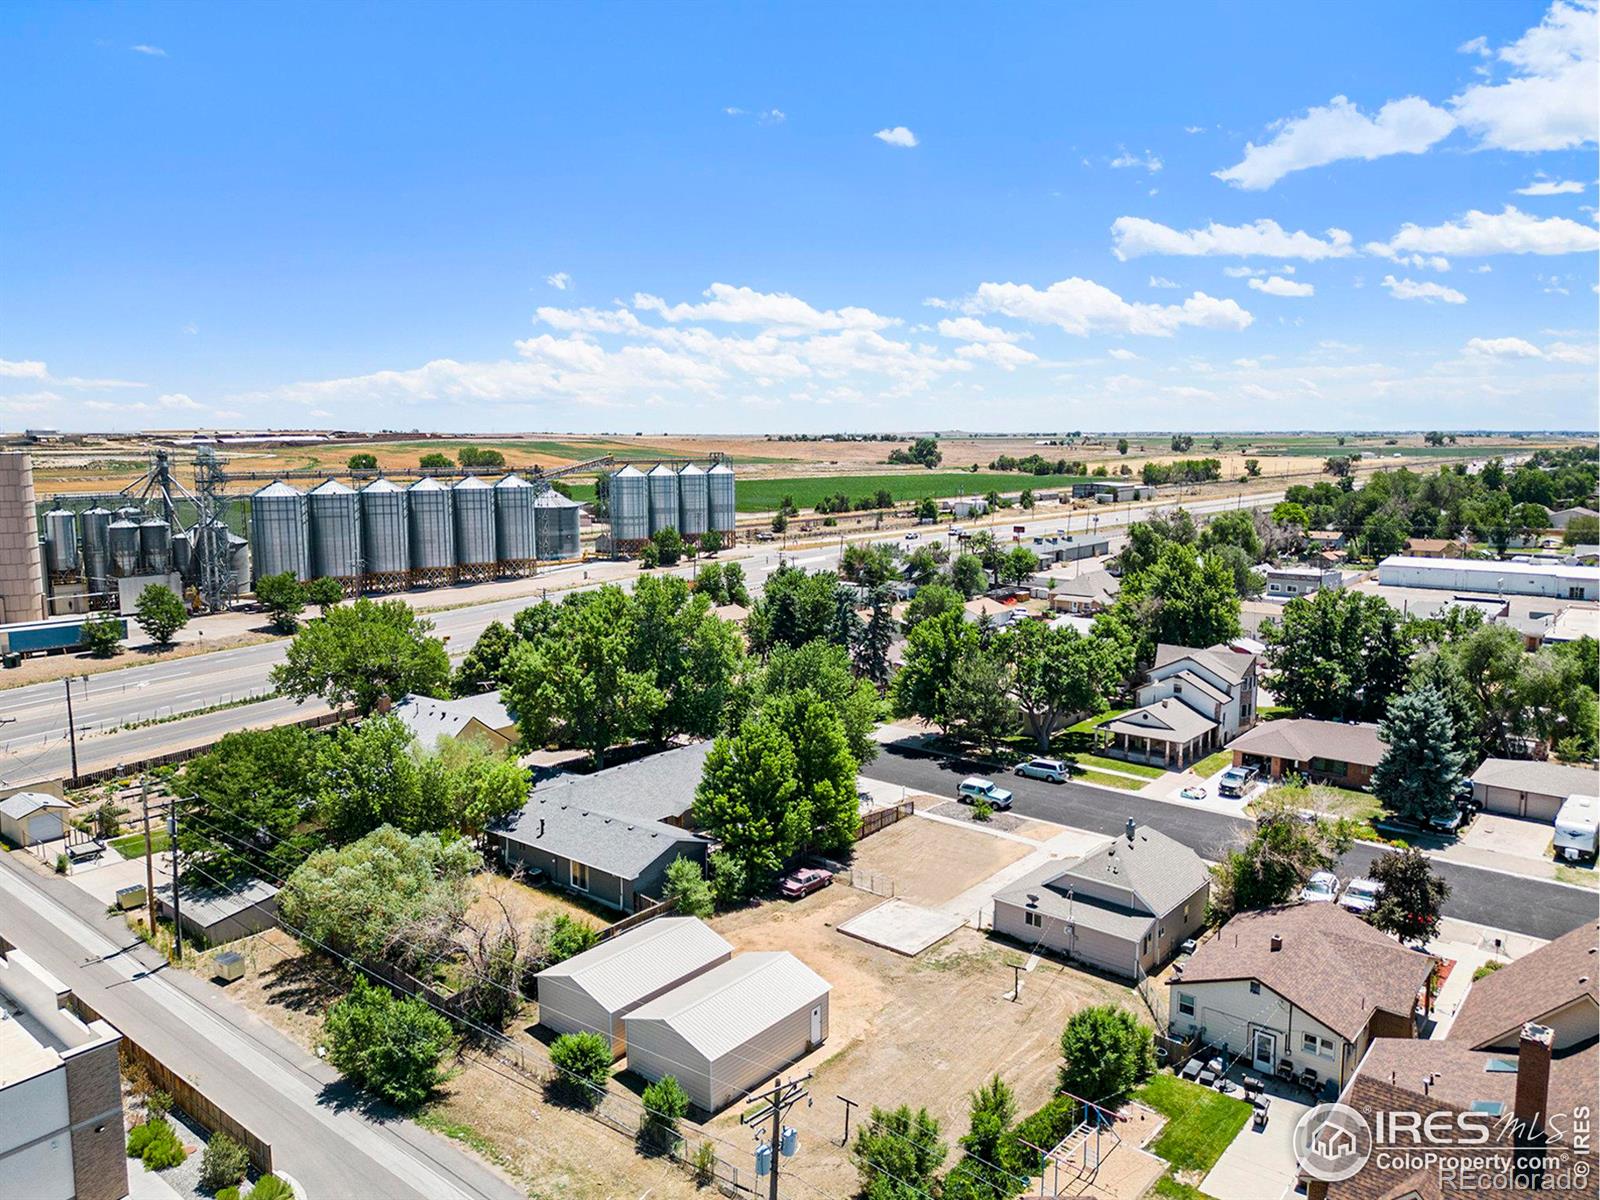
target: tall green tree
<point>160,613</point>
<point>485,667</point>
<point>898,1153</point>
<point>932,600</point>
<point>750,799</point>
<point>1056,672</point>
<point>978,700</point>
<point>967,575</point>
<point>872,652</point>
<point>822,668</point>
<point>1337,655</point>
<point>985,1173</point>
<point>361,652</point>
<point>825,770</point>
<point>921,687</point>
<point>692,656</point>
<point>1182,599</point>
<point>369,777</point>
<point>324,593</point>
<point>794,608</point>
<point>1418,774</point>
<point>1413,896</point>
<point>1276,861</point>
<point>248,799</point>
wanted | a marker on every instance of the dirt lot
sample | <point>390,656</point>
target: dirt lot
<point>930,862</point>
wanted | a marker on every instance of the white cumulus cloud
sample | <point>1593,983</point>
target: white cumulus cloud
<point>746,306</point>
<point>1081,306</point>
<point>898,135</point>
<point>1548,103</point>
<point>1277,285</point>
<point>970,329</point>
<point>1553,187</point>
<point>1410,289</point>
<point>1339,131</point>
<point>1161,281</point>
<point>561,281</point>
<point>148,51</point>
<point>1135,236</point>
<point>1479,233</point>
<point>1505,347</point>
<point>1126,159</point>
<point>1121,355</point>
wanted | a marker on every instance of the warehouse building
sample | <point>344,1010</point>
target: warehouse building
<point>593,991</point>
<point>1557,580</point>
<point>730,1030</point>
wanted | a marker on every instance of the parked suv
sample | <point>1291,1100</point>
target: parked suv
<point>1361,896</point>
<point>1051,769</point>
<point>1235,781</point>
<point>974,789</point>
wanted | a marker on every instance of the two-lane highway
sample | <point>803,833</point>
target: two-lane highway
<point>1510,902</point>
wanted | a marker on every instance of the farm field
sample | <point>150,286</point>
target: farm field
<point>764,495</point>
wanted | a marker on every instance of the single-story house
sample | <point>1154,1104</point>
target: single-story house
<point>1059,548</point>
<point>1125,908</point>
<point>613,859</point>
<point>1287,582</point>
<point>1166,733</point>
<point>591,992</point>
<point>1562,517</point>
<point>1521,787</point>
<point>217,915</point>
<point>1306,985</point>
<point>729,1030</point>
<point>1326,539</point>
<point>1085,593</point>
<point>1434,548</point>
<point>28,818</point>
<point>1571,624</point>
<point>658,787</point>
<point>1326,751</point>
<point>737,613</point>
<point>483,717</point>
<point>996,612</point>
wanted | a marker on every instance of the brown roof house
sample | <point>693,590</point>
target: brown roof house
<point>1301,988</point>
<point>1517,1071</point>
<point>1433,548</point>
<point>1124,909</point>
<point>1326,751</point>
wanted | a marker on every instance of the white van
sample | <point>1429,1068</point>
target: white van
<point>1578,828</point>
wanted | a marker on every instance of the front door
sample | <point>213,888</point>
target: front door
<point>816,1026</point>
<point>1264,1051</point>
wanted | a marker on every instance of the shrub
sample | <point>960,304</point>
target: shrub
<point>1108,1052</point>
<point>270,1187</point>
<point>665,1104</point>
<point>224,1162</point>
<point>155,1144</point>
<point>62,864</point>
<point>1488,968</point>
<point>981,810</point>
<point>389,1045</point>
<point>584,1062</point>
<point>704,1162</point>
<point>730,882</point>
<point>686,883</point>
<point>227,1193</point>
<point>102,635</point>
<point>569,936</point>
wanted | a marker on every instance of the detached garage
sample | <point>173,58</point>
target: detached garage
<point>28,818</point>
<point>1525,788</point>
<point>592,992</point>
<point>730,1030</point>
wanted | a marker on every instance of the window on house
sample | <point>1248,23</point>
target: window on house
<point>1310,1043</point>
<point>1034,919</point>
<point>580,877</point>
<point>1255,987</point>
<point>1145,945</point>
<point>1186,1004</point>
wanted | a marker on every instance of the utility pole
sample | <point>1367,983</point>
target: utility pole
<point>149,862</point>
<point>177,911</point>
<point>72,729</point>
<point>848,1105</point>
<point>775,1104</point>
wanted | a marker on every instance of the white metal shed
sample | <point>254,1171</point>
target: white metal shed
<point>592,991</point>
<point>731,1029</point>
<point>28,818</point>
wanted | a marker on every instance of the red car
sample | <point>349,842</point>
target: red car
<point>804,881</point>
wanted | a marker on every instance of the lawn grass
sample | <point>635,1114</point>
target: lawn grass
<point>1170,1189</point>
<point>1089,724</point>
<point>131,845</point>
<point>1200,1122</point>
<point>1116,781</point>
<point>1143,770</point>
<point>764,495</point>
<point>1212,763</point>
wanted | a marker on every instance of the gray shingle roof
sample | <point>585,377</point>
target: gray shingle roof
<point>656,788</point>
<point>1160,872</point>
<point>1230,664</point>
<point>1164,721</point>
<point>1545,778</point>
<point>24,804</point>
<point>603,841</point>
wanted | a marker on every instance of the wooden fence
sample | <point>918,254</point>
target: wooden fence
<point>653,909</point>
<point>875,819</point>
<point>185,1095</point>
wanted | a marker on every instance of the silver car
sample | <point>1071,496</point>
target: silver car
<point>1053,770</point>
<point>1361,896</point>
<point>1321,888</point>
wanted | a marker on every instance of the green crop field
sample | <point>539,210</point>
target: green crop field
<point>764,495</point>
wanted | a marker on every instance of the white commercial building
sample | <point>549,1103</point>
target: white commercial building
<point>591,992</point>
<point>728,1031</point>
<point>1556,580</point>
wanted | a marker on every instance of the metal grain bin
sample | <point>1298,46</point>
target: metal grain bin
<point>334,512</point>
<point>61,541</point>
<point>663,482</point>
<point>557,530</point>
<point>124,537</point>
<point>280,532</point>
<point>693,502</point>
<point>432,529</point>
<point>474,517</point>
<point>384,537</point>
<point>630,505</point>
<point>155,546</point>
<point>719,494</point>
<point>239,561</point>
<point>183,560</point>
<point>515,541</point>
<point>95,528</point>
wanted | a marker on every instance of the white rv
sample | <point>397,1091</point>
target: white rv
<point>1577,828</point>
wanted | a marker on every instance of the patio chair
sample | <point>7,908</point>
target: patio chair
<point>1308,1079</point>
<point>1285,1071</point>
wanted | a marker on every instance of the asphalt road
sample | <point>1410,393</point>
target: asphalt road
<point>33,718</point>
<point>320,1135</point>
<point>1510,902</point>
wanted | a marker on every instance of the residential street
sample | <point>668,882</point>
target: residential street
<point>1536,907</point>
<point>269,1084</point>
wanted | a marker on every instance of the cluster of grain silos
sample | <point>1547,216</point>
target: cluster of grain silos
<point>385,537</point>
<point>693,500</point>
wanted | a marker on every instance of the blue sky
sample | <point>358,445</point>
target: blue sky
<point>730,218</point>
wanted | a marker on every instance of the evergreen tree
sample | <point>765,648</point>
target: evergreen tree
<point>1420,770</point>
<point>872,652</point>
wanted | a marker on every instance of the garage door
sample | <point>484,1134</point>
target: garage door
<point>43,827</point>
<point>1542,808</point>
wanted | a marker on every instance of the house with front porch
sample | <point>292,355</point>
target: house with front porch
<point>1192,702</point>
<point>1299,991</point>
<point>1344,755</point>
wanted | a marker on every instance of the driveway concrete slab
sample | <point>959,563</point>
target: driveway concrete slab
<point>1259,1164</point>
<point>900,926</point>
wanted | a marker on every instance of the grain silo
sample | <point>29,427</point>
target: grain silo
<point>183,559</point>
<point>123,536</point>
<point>629,500</point>
<point>693,502</point>
<point>663,482</point>
<point>385,539</point>
<point>280,534</point>
<point>516,544</point>
<point>432,533</point>
<point>557,530</point>
<point>333,511</point>
<point>155,546</point>
<point>61,543</point>
<point>474,516</point>
<point>95,528</point>
<point>720,502</point>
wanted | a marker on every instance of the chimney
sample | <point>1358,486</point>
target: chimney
<point>1533,1085</point>
<point>1277,942</point>
<point>1131,827</point>
<point>384,704</point>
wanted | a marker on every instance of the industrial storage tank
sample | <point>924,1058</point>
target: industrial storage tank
<point>629,502</point>
<point>280,533</point>
<point>693,503</point>
<point>183,559</point>
<point>557,529</point>
<point>94,526</point>
<point>239,561</point>
<point>334,513</point>
<point>155,546</point>
<point>129,512</point>
<point>474,516</point>
<point>663,482</point>
<point>61,541</point>
<point>124,540</point>
<point>719,494</point>
<point>385,539</point>
<point>516,543</point>
<point>432,532</point>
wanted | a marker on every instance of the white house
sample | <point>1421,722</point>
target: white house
<point>1191,703</point>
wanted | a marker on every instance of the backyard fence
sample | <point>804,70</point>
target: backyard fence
<point>652,909</point>
<point>868,881</point>
<point>88,778</point>
<point>875,819</point>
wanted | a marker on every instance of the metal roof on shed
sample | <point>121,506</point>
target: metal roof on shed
<point>727,1006</point>
<point>642,960</point>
